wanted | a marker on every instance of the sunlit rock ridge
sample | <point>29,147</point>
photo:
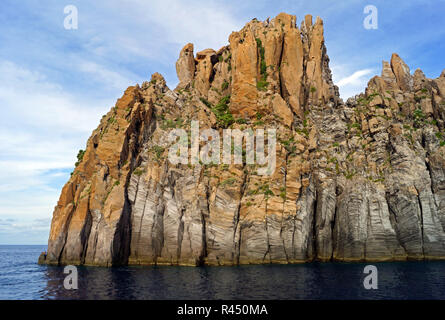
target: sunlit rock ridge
<point>361,180</point>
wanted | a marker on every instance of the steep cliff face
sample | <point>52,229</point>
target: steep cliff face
<point>357,181</point>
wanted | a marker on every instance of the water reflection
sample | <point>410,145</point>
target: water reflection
<point>409,280</point>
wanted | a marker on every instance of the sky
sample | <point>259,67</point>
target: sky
<point>56,83</point>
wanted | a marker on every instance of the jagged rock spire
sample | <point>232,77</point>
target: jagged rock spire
<point>274,57</point>
<point>401,72</point>
<point>185,66</point>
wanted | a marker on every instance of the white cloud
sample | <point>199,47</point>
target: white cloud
<point>350,84</point>
<point>208,26</point>
<point>41,129</point>
<point>28,98</point>
<point>149,29</point>
<point>105,76</point>
<point>354,79</point>
<point>27,231</point>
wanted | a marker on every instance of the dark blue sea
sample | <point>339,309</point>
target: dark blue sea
<point>22,278</point>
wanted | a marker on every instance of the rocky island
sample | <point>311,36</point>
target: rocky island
<point>361,180</point>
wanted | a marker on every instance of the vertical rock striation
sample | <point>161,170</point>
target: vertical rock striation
<point>357,181</point>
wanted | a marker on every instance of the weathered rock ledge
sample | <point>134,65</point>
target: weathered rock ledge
<point>357,181</point>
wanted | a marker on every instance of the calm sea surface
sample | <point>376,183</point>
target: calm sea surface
<point>22,278</point>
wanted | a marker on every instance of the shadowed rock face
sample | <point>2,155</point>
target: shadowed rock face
<point>357,181</point>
